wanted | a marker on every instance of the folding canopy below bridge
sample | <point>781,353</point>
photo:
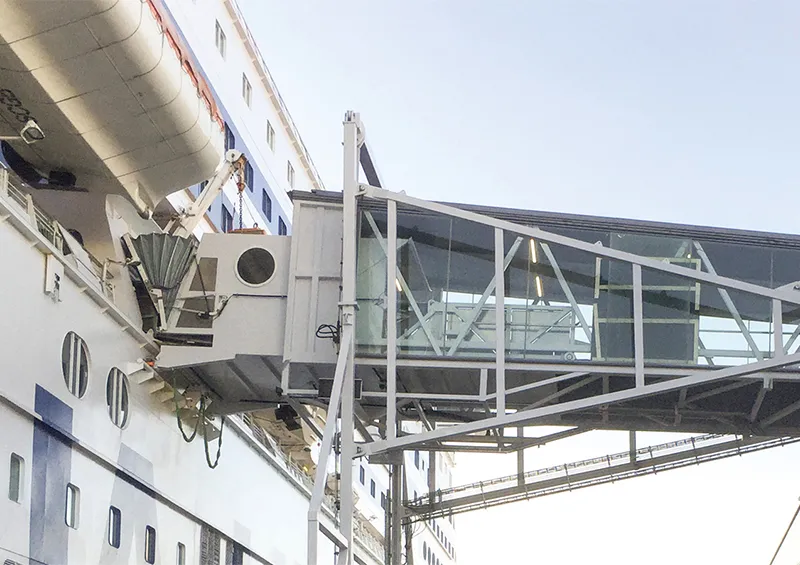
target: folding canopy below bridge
<point>465,327</point>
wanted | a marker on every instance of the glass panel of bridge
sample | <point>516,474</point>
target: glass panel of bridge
<point>549,300</point>
<point>445,276</point>
<point>687,322</point>
<point>371,283</point>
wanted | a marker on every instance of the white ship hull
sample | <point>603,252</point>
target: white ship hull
<point>254,499</point>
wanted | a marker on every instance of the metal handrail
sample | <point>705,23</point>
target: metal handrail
<point>604,460</point>
<point>608,468</point>
<point>49,227</point>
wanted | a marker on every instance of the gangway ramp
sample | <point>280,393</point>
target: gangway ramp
<point>585,473</point>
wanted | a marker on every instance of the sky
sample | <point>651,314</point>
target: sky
<point>679,111</point>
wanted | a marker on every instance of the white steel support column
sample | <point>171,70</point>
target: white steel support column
<point>500,321</point>
<point>396,510</point>
<point>315,505</point>
<point>638,326</point>
<point>391,320</point>
<point>777,329</point>
<point>348,309</point>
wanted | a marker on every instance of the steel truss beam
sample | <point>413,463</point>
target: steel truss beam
<point>641,387</point>
<point>782,294</point>
<point>530,416</point>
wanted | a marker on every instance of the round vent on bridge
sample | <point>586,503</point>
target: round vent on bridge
<point>255,266</point>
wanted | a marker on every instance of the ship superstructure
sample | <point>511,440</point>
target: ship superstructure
<point>108,109</point>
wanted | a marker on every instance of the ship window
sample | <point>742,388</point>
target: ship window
<point>114,526</point>
<point>255,266</point>
<point>181,555</point>
<point>220,40</point>
<point>227,220</point>
<point>248,176</point>
<point>270,136</point>
<point>424,550</point>
<point>16,473</point>
<point>290,174</point>
<point>266,205</point>
<point>247,90</point>
<point>372,488</point>
<point>230,139</point>
<point>383,500</point>
<point>75,364</point>
<point>150,544</point>
<point>209,547</point>
<point>237,554</point>
<point>281,226</point>
<point>361,474</point>
<point>416,459</point>
<point>73,506</point>
<point>117,398</point>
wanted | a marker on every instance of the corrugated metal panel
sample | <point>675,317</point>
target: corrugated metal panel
<point>166,259</point>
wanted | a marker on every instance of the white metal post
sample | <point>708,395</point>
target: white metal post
<point>638,326</point>
<point>391,320</point>
<point>317,495</point>
<point>500,322</point>
<point>777,329</point>
<point>348,309</point>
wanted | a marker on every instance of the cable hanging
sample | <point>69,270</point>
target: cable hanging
<point>205,436</point>
<point>330,331</point>
<point>201,418</point>
<point>187,439</point>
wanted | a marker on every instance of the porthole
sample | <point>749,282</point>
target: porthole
<point>255,266</point>
<point>117,398</point>
<point>75,364</point>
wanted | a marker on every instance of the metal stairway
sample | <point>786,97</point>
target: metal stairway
<point>585,473</point>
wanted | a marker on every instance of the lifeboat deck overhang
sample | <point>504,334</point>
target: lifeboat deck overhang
<point>119,99</point>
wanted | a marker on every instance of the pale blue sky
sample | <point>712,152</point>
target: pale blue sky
<point>682,111</point>
<point>674,110</point>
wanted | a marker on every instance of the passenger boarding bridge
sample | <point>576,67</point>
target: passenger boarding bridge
<point>442,327</point>
<point>482,323</point>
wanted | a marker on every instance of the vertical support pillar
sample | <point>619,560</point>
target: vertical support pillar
<point>431,474</point>
<point>396,508</point>
<point>632,446</point>
<point>777,329</point>
<point>500,322</point>
<point>520,459</point>
<point>391,321</point>
<point>328,436</point>
<point>638,326</point>
<point>348,310</point>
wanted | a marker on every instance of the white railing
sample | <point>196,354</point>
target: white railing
<point>12,192</point>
